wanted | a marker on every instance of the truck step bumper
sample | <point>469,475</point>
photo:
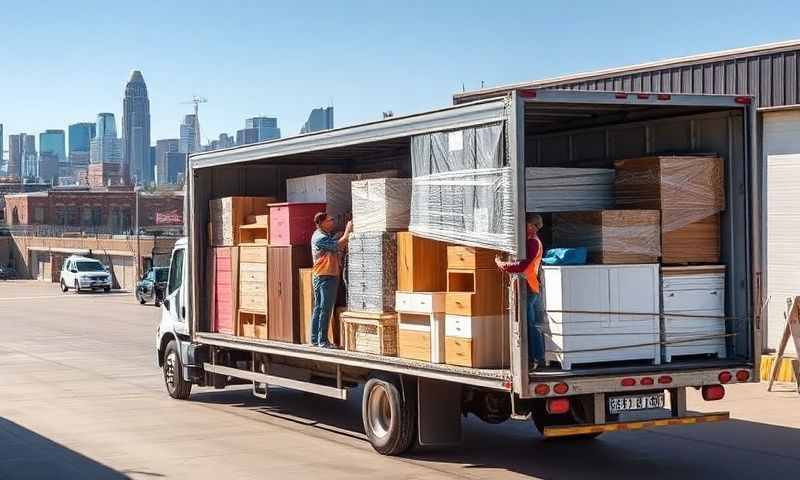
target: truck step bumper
<point>571,430</point>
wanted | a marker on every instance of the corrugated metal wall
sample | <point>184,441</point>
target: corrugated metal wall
<point>771,78</point>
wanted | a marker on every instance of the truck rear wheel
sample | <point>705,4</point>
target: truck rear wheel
<point>389,418</point>
<point>177,387</point>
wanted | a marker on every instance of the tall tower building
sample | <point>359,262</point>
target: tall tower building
<point>267,127</point>
<point>1,147</point>
<point>190,134</point>
<point>53,141</point>
<point>14,155</point>
<point>318,119</point>
<point>136,131</point>
<point>106,147</point>
<point>80,136</point>
<point>163,147</point>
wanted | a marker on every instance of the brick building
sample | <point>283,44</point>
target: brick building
<point>10,185</point>
<point>86,209</point>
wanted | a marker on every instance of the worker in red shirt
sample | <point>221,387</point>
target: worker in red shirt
<point>529,268</point>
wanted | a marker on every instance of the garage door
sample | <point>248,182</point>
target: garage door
<point>782,148</point>
<point>124,274</point>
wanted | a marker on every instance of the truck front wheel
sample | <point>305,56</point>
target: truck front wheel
<point>177,387</point>
<point>389,418</point>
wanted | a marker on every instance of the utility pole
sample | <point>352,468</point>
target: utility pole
<point>136,226</point>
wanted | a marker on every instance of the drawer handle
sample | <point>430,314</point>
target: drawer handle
<point>714,292</point>
<point>671,294</point>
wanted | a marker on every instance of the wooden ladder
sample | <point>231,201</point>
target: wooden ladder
<point>792,330</point>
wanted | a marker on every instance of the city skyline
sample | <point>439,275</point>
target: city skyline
<point>363,71</point>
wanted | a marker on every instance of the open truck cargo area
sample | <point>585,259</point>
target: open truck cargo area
<point>581,384</point>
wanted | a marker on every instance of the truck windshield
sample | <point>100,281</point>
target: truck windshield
<point>89,266</point>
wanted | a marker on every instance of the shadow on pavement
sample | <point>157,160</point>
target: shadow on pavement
<point>25,454</point>
<point>732,449</point>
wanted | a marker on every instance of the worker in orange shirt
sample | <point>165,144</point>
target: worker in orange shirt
<point>326,251</point>
<point>529,268</point>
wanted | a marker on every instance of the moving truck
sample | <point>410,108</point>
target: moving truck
<point>407,400</point>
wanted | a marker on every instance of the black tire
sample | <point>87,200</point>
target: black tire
<point>389,420</point>
<point>107,289</point>
<point>77,287</point>
<point>64,287</point>
<point>172,369</point>
<point>575,416</point>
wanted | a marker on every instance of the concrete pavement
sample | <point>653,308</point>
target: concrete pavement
<point>81,397</point>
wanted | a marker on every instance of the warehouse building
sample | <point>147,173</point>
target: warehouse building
<point>771,75</point>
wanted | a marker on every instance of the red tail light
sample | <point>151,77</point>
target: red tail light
<point>527,93</point>
<point>642,96</point>
<point>620,95</point>
<point>743,100</point>
<point>541,389</point>
<point>561,388</point>
<point>628,382</point>
<point>725,377</point>
<point>558,406</point>
<point>664,379</point>
<point>742,375</point>
<point>713,392</point>
<point>664,96</point>
<point>646,381</point>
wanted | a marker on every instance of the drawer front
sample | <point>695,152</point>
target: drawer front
<point>458,351</point>
<point>414,345</point>
<point>687,300</point>
<point>253,272</point>
<point>458,326</point>
<point>253,255</point>
<point>469,258</point>
<point>419,302</point>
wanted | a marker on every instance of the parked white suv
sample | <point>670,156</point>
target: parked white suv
<point>82,273</point>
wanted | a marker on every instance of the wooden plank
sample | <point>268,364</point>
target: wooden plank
<point>612,236</point>
<point>421,264</point>
<point>306,300</point>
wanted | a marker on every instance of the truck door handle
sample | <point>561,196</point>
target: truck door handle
<point>183,312</point>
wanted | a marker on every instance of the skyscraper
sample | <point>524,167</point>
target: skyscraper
<point>80,137</point>
<point>1,146</point>
<point>14,155</point>
<point>190,134</point>
<point>136,130</point>
<point>53,141</point>
<point>267,127</point>
<point>105,146</point>
<point>163,147</point>
<point>246,136</point>
<point>318,119</point>
<point>22,156</point>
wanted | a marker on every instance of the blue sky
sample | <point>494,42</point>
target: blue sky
<point>64,62</point>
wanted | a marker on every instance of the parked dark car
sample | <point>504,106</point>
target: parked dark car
<point>151,287</point>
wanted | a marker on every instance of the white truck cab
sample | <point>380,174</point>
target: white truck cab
<point>172,337</point>
<point>84,273</point>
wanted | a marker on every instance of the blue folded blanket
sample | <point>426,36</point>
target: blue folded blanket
<point>565,256</point>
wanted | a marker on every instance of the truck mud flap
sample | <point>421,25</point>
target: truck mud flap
<point>692,419</point>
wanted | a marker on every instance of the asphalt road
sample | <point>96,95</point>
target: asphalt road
<point>81,397</point>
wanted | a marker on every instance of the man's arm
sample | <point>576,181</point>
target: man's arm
<point>342,242</point>
<point>520,265</point>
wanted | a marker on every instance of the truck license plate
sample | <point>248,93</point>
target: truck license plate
<point>636,402</point>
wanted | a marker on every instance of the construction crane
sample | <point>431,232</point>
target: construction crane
<point>196,100</point>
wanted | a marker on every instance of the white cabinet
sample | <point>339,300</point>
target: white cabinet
<point>601,313</point>
<point>694,310</point>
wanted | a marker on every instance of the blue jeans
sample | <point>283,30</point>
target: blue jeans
<point>325,287</point>
<point>535,337</point>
